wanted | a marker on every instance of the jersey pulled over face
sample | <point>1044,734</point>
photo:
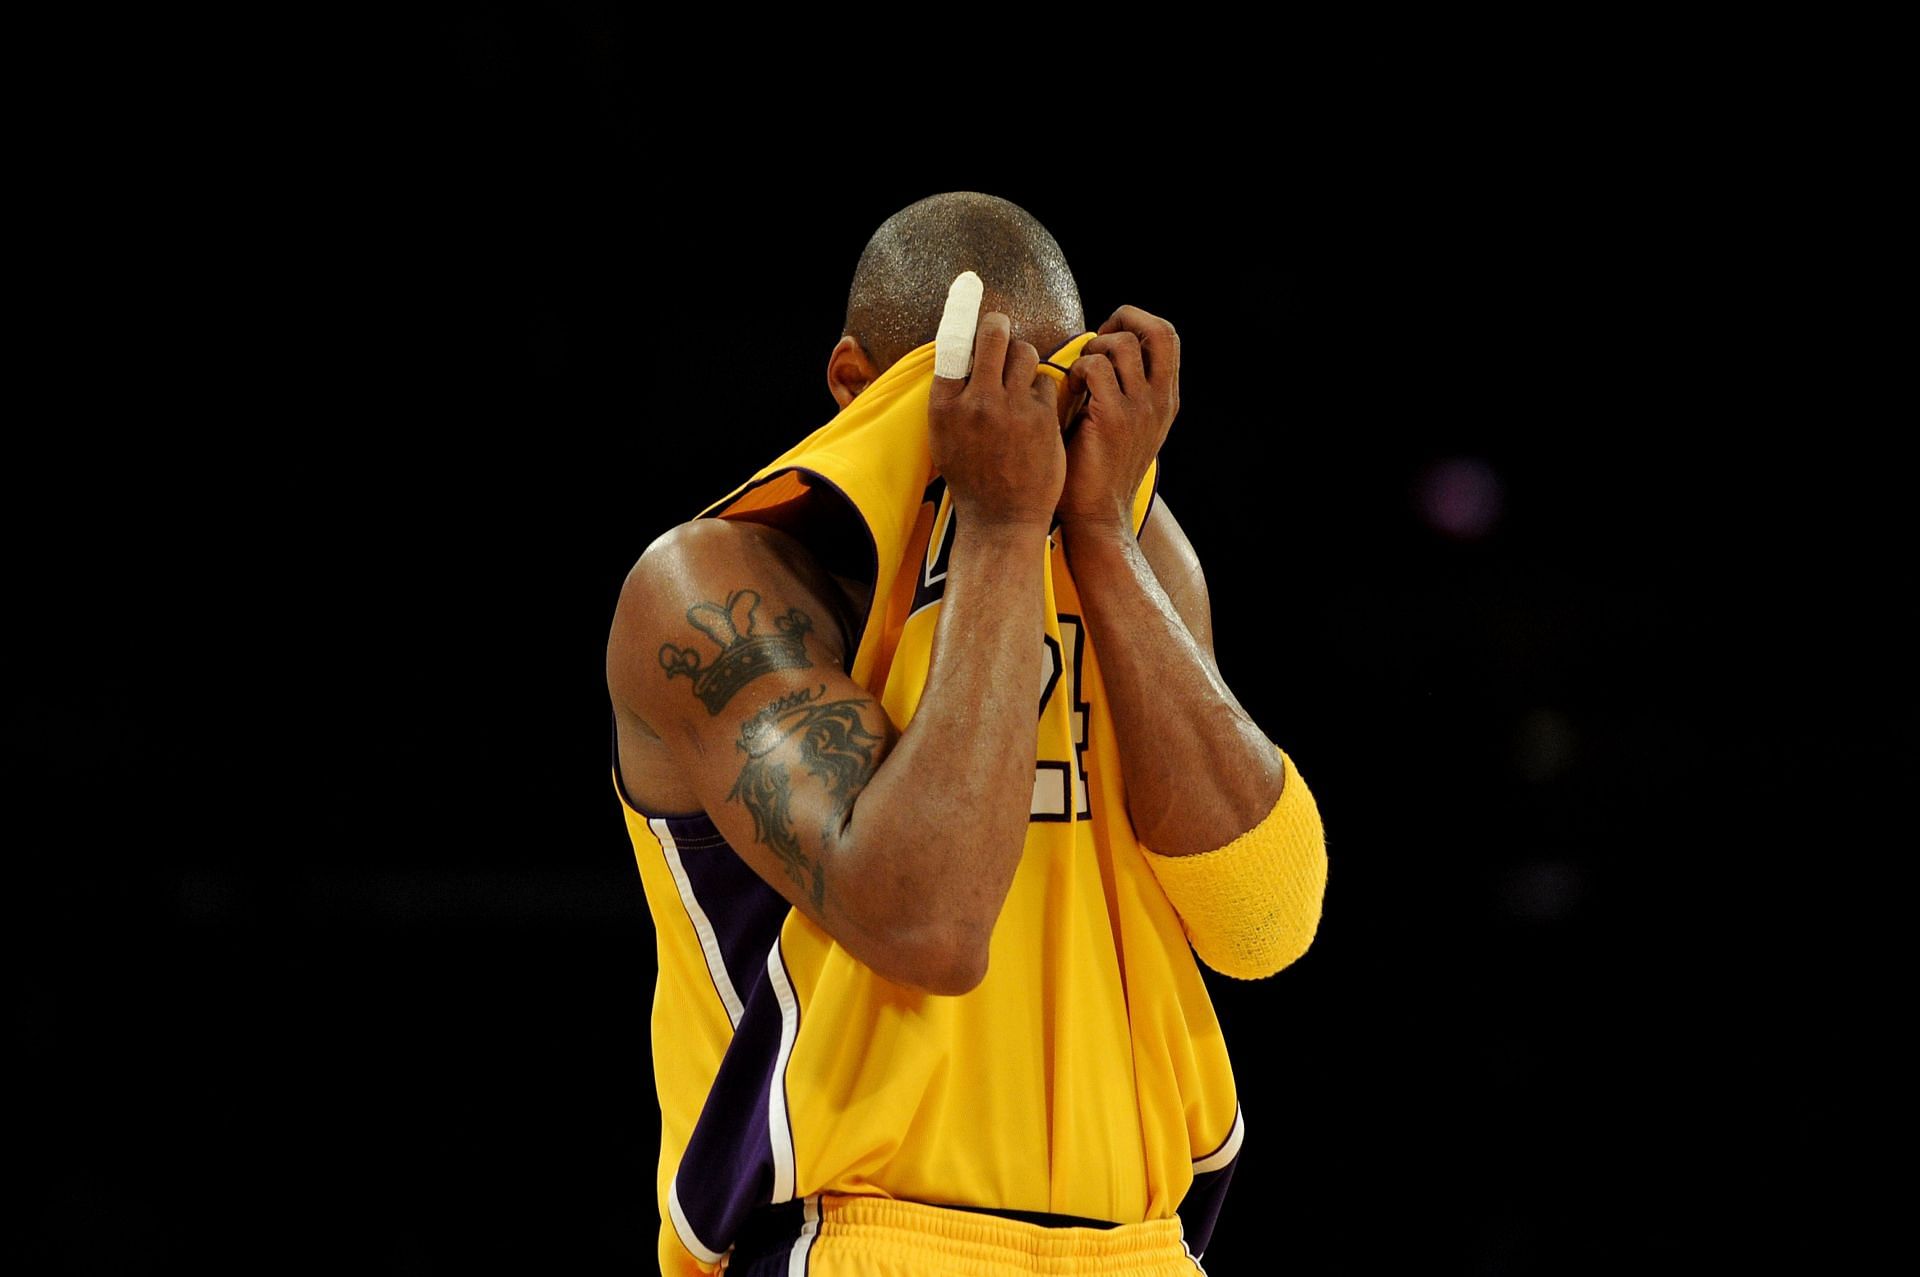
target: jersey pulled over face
<point>1086,1074</point>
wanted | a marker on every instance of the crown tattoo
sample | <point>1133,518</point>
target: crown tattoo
<point>745,652</point>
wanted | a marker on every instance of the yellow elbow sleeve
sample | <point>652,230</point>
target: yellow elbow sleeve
<point>1252,906</point>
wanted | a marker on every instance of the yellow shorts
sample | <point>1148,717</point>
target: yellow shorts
<point>875,1237</point>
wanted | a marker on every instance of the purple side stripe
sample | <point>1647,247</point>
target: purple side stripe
<point>1200,1209</point>
<point>727,1169</point>
<point>745,912</point>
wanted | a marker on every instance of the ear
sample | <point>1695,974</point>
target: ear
<point>849,371</point>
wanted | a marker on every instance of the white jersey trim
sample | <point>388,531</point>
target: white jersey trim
<point>699,1249</point>
<point>1226,1152</point>
<point>703,928</point>
<point>809,1229</point>
<point>778,1129</point>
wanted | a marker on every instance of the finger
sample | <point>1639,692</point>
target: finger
<point>953,340</point>
<point>1047,388</point>
<point>1071,406</point>
<point>1094,374</point>
<point>1123,348</point>
<point>1128,319</point>
<point>1022,361</point>
<point>1158,340</point>
<point>990,348</point>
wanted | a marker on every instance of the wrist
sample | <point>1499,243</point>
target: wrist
<point>996,527</point>
<point>1102,535</point>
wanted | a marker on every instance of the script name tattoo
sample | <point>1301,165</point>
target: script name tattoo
<point>831,743</point>
<point>745,651</point>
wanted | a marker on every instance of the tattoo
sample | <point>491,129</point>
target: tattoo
<point>833,745</point>
<point>745,653</point>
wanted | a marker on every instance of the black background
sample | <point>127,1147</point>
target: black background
<point>328,950</point>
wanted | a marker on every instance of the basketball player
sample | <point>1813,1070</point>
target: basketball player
<point>927,996</point>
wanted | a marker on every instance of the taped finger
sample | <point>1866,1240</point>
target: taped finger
<point>953,342</point>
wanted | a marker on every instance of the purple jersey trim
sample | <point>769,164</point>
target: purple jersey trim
<point>1200,1208</point>
<point>745,912</point>
<point>727,1168</point>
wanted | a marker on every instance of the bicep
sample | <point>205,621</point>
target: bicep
<point>731,653</point>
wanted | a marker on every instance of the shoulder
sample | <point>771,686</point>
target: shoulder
<point>692,552</point>
<point>713,572</point>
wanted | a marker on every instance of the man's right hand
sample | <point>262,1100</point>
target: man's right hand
<point>995,435</point>
<point>901,845</point>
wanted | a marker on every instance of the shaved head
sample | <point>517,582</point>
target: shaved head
<point>900,285</point>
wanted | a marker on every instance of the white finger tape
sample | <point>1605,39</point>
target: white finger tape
<point>953,344</point>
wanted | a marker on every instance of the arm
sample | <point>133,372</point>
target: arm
<point>797,765</point>
<point>1207,773</point>
<point>1233,837</point>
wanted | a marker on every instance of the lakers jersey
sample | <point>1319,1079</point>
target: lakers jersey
<point>1085,1076</point>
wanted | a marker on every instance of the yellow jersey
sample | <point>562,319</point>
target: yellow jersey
<point>1086,1076</point>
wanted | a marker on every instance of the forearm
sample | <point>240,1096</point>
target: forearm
<point>942,825</point>
<point>1199,772</point>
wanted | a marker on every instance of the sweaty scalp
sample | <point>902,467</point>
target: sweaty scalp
<point>900,286</point>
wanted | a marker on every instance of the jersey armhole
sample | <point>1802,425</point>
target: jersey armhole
<point>827,524</point>
<point>1153,498</point>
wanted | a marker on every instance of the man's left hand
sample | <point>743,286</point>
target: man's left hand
<point>1131,372</point>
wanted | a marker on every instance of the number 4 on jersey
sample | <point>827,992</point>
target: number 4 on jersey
<point>1060,787</point>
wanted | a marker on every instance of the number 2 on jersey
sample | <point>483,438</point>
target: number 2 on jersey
<point>1060,787</point>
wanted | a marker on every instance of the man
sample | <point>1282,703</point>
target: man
<point>926,997</point>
